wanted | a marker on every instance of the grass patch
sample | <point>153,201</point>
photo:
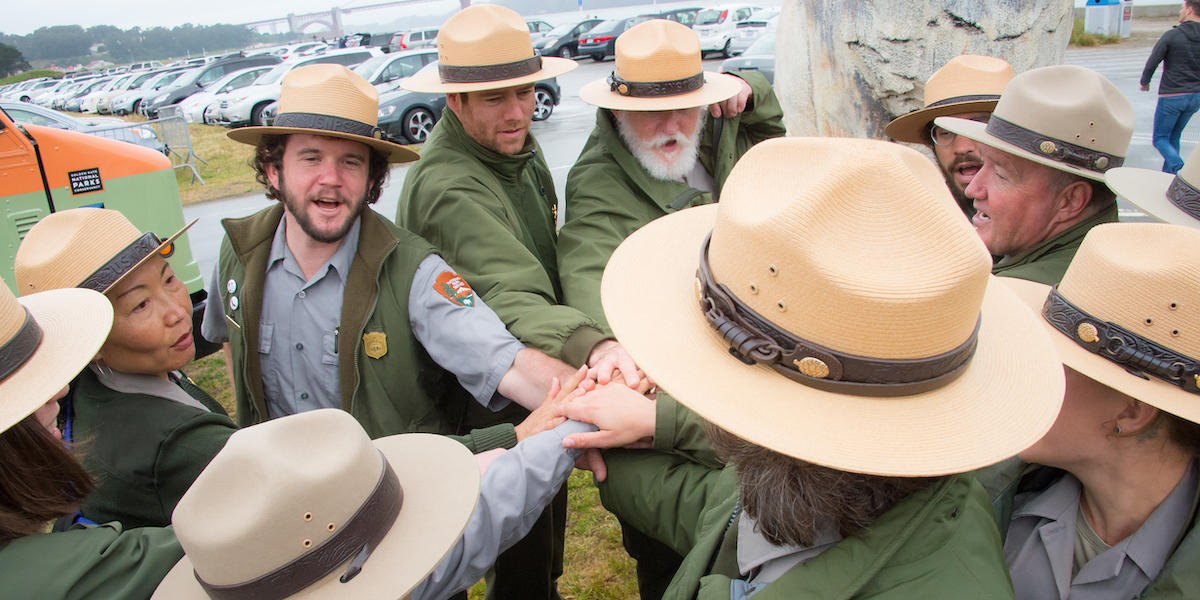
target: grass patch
<point>30,75</point>
<point>595,565</point>
<point>228,171</point>
<point>1079,37</point>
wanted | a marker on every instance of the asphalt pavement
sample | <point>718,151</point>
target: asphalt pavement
<point>562,135</point>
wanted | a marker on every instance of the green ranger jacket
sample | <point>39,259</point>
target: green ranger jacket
<point>401,391</point>
<point>88,564</point>
<point>492,215</point>
<point>940,542</point>
<point>1179,577</point>
<point>1047,262</point>
<point>143,450</point>
<point>610,194</point>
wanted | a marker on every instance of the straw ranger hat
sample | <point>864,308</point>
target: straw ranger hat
<point>1127,313</point>
<point>45,339</point>
<point>843,313</point>
<point>308,505</point>
<point>329,100</point>
<point>967,84</point>
<point>93,248</point>
<point>485,47</point>
<point>1171,198</point>
<point>1064,117</point>
<point>658,68</point>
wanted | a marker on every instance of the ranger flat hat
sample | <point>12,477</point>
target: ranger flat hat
<point>1171,198</point>
<point>45,339</point>
<point>1127,313</point>
<point>1064,117</point>
<point>306,506</point>
<point>835,307</point>
<point>93,248</point>
<point>485,47</point>
<point>329,100</point>
<point>658,68</point>
<point>967,84</point>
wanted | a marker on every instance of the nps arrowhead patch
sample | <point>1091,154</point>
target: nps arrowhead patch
<point>454,288</point>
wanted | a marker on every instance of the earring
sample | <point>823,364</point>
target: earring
<point>1117,429</point>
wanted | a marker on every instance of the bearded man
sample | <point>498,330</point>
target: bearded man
<point>667,134</point>
<point>325,304</point>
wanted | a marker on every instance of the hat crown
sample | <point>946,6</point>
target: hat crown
<point>12,315</point>
<point>330,90</point>
<point>272,493</point>
<point>1070,104</point>
<point>968,75</point>
<point>1143,277</point>
<point>66,247</point>
<point>484,34</point>
<point>867,255</point>
<point>658,50</point>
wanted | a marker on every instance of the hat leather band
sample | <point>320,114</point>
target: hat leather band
<point>120,264</point>
<point>354,539</point>
<point>1184,197</point>
<point>655,89</point>
<point>486,73</point>
<point>1138,355</point>
<point>20,348</point>
<point>754,339</point>
<point>302,120</point>
<point>962,99</point>
<point>1054,148</point>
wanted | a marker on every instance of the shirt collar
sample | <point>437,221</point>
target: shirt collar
<point>339,262</point>
<point>756,553</point>
<point>127,383</point>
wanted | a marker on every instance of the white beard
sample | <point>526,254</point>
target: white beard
<point>666,170</point>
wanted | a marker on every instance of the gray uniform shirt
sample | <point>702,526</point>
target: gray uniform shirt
<point>1039,547</point>
<point>298,330</point>
<point>513,492</point>
<point>762,562</point>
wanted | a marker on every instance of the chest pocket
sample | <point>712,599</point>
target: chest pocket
<point>329,354</point>
<point>265,333</point>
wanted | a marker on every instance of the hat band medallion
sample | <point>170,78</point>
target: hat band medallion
<point>753,339</point>
<point>355,539</point>
<point>1139,355</point>
<point>1184,196</point>
<point>486,73</point>
<point>1043,145</point>
<point>20,348</point>
<point>655,89</point>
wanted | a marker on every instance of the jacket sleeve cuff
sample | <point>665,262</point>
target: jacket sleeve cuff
<point>664,422</point>
<point>579,345</point>
<point>503,435</point>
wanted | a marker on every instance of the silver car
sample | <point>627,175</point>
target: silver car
<point>109,127</point>
<point>760,56</point>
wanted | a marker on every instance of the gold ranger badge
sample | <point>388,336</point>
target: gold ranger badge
<point>375,344</point>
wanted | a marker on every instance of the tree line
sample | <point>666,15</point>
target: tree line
<point>66,44</point>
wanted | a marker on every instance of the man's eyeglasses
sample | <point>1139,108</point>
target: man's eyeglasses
<point>945,137</point>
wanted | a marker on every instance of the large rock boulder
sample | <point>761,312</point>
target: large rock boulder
<point>847,68</point>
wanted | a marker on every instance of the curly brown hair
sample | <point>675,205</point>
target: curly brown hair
<point>270,152</point>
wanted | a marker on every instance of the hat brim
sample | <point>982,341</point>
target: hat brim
<point>914,126</point>
<point>1006,399</point>
<point>161,245</point>
<point>396,153</point>
<point>978,132</point>
<point>430,81</point>
<point>1147,190</point>
<point>717,88</point>
<point>1152,391</point>
<point>440,480</point>
<point>74,322</point>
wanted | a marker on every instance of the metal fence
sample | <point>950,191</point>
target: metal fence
<point>167,134</point>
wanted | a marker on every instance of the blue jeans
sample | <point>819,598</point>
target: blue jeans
<point>1170,117</point>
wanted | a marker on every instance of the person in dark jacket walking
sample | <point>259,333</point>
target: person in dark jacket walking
<point>1179,89</point>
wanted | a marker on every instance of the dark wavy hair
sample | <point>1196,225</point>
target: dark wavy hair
<point>270,152</point>
<point>40,480</point>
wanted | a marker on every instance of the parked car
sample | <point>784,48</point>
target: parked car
<point>109,127</point>
<point>90,102</point>
<point>75,102</point>
<point>132,99</point>
<point>537,29</point>
<point>410,116</point>
<point>135,79</point>
<point>716,27</point>
<point>42,97</point>
<point>601,41</point>
<point>687,16</point>
<point>194,106</point>
<point>27,92</point>
<point>760,56</point>
<point>749,30</point>
<point>385,72</point>
<point>563,40</point>
<point>546,95</point>
<point>200,78</point>
<point>145,66</point>
<point>245,106</point>
<point>411,40</point>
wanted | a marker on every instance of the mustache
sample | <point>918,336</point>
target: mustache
<point>964,159</point>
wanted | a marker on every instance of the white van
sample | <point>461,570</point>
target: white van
<point>716,26</point>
